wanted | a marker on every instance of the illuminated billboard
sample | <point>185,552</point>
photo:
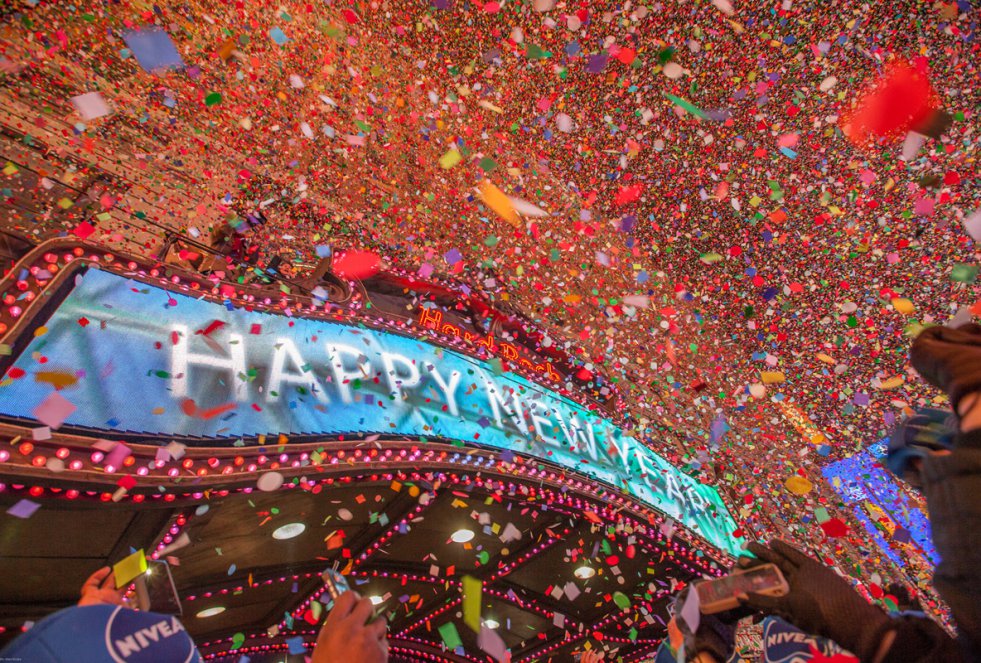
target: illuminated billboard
<point>137,358</point>
<point>890,517</point>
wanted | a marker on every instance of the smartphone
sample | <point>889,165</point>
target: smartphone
<point>156,591</point>
<point>720,594</point>
<point>335,583</point>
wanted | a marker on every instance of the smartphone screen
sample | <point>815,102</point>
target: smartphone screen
<point>160,588</point>
<point>755,580</point>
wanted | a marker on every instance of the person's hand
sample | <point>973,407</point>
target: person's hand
<point>716,633</point>
<point>100,589</point>
<point>949,359</point>
<point>819,601</point>
<point>591,656</point>
<point>346,637</point>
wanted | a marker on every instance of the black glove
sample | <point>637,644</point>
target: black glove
<point>820,601</point>
<point>949,359</point>
<point>716,634</point>
<point>926,431</point>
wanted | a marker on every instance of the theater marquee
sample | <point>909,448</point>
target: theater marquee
<point>149,360</point>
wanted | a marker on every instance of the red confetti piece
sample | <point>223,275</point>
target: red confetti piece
<point>834,528</point>
<point>211,328</point>
<point>901,100</point>
<point>84,230</point>
<point>357,264</point>
<point>628,194</point>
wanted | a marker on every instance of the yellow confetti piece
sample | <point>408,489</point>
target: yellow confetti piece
<point>825,358</point>
<point>472,590</point>
<point>126,569</point>
<point>10,169</point>
<point>772,377</point>
<point>903,305</point>
<point>450,159</point>
<point>798,485</point>
<point>40,331</point>
<point>56,379</point>
<point>892,383</point>
<point>498,201</point>
<point>489,106</point>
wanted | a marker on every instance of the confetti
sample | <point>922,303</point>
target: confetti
<point>126,569</point>
<point>23,508</point>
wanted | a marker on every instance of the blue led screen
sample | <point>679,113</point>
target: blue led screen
<point>876,497</point>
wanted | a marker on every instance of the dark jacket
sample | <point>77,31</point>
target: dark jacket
<point>952,487</point>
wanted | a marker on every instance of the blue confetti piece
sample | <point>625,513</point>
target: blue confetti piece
<point>278,36</point>
<point>153,49</point>
<point>296,645</point>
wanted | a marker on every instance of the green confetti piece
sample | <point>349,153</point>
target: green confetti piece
<point>535,52</point>
<point>622,600</point>
<point>687,105</point>
<point>964,273</point>
<point>450,636</point>
<point>212,99</point>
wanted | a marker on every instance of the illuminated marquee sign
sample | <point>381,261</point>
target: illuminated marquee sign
<point>151,361</point>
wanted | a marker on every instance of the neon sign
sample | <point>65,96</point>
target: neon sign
<point>153,361</point>
<point>432,319</point>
